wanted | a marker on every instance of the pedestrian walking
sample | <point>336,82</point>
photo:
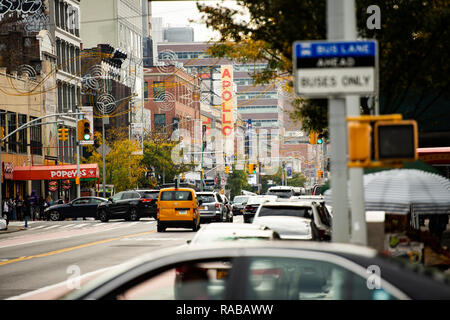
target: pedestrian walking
<point>27,210</point>
<point>34,204</point>
<point>12,208</point>
<point>41,203</point>
<point>6,211</point>
<point>19,207</point>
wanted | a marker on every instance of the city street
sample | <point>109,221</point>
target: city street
<point>49,252</point>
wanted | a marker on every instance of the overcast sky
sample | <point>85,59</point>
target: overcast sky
<point>178,14</point>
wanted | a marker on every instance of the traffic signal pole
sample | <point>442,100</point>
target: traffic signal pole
<point>341,25</point>
<point>78,182</point>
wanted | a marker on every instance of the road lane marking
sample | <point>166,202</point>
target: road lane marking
<point>66,283</point>
<point>38,227</point>
<point>46,254</point>
<point>68,226</point>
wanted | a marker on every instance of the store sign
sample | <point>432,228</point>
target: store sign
<point>52,186</point>
<point>69,174</point>
<point>8,170</point>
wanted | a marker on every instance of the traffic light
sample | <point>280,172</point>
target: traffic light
<point>84,130</point>
<point>319,139</point>
<point>227,169</point>
<point>396,140</point>
<point>251,168</point>
<point>312,137</point>
<point>182,176</point>
<point>320,174</point>
<point>359,141</point>
<point>63,133</point>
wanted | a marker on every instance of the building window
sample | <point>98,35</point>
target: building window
<point>159,91</point>
<point>23,141</point>
<point>145,90</point>
<point>58,23</point>
<point>36,138</point>
<point>12,125</point>
<point>159,122</point>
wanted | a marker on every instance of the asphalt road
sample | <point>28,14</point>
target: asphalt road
<point>49,252</point>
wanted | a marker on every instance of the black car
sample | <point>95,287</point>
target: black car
<point>129,205</point>
<point>83,207</point>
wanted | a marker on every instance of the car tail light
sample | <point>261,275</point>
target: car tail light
<point>146,200</point>
<point>217,205</point>
<point>248,208</point>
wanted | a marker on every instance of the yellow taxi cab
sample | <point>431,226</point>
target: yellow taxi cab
<point>177,208</point>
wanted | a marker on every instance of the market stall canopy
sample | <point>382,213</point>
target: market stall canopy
<point>402,191</point>
<point>87,171</point>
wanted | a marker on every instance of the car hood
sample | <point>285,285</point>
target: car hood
<point>287,227</point>
<point>57,206</point>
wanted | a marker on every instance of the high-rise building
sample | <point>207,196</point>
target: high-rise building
<point>119,23</point>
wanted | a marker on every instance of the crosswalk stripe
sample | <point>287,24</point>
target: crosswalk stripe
<point>51,227</point>
<point>80,225</point>
<point>38,227</point>
<point>68,226</point>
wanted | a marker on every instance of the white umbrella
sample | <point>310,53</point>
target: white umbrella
<point>405,190</point>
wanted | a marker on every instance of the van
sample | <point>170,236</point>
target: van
<point>177,208</point>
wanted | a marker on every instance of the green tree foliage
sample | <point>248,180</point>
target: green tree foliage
<point>123,169</point>
<point>237,181</point>
<point>297,180</point>
<point>414,51</point>
<point>158,160</point>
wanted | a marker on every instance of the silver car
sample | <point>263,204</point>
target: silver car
<point>213,208</point>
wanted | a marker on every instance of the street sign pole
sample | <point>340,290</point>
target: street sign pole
<point>338,28</point>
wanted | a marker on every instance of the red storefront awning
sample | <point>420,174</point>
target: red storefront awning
<point>55,172</point>
<point>440,155</point>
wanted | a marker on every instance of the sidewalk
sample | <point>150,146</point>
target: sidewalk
<point>13,229</point>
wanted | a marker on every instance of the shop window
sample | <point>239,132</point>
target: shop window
<point>159,121</point>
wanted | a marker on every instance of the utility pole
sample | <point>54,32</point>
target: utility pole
<point>78,182</point>
<point>339,27</point>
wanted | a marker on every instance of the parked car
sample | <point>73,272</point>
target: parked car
<point>265,270</point>
<point>129,205</point>
<point>290,221</point>
<point>232,231</point>
<point>238,204</point>
<point>316,212</point>
<point>253,205</point>
<point>83,207</point>
<point>213,207</point>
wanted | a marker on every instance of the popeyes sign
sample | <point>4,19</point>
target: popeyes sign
<point>68,174</point>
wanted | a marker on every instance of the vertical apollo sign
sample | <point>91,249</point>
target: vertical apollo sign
<point>226,75</point>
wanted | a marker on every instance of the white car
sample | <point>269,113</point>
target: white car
<point>252,205</point>
<point>290,217</point>
<point>232,231</point>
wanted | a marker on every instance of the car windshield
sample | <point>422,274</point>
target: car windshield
<point>240,199</point>
<point>206,198</point>
<point>293,211</point>
<point>176,195</point>
<point>149,195</point>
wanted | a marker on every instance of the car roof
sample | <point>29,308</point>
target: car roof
<point>287,204</point>
<point>238,232</point>
<point>147,190</point>
<point>221,249</point>
<point>177,189</point>
<point>233,225</point>
<point>207,192</point>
